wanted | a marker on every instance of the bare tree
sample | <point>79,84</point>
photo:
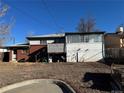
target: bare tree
<point>90,24</point>
<point>4,26</point>
<point>86,25</point>
<point>81,26</point>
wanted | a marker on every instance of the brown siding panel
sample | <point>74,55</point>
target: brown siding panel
<point>10,55</point>
<point>22,56</point>
<point>34,48</point>
<point>37,52</point>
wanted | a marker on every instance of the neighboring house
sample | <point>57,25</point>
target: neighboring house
<point>115,40</point>
<point>67,47</point>
<point>114,44</point>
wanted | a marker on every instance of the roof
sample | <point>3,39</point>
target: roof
<point>17,46</point>
<point>61,35</point>
<point>70,33</point>
<point>47,36</point>
<point>115,34</point>
<point>111,33</point>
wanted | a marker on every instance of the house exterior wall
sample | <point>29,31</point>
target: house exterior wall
<point>14,56</point>
<point>10,55</point>
<point>29,54</point>
<point>85,51</point>
<point>89,52</point>
<point>34,48</point>
<point>37,52</point>
<point>34,42</point>
<point>22,55</point>
<point>3,50</point>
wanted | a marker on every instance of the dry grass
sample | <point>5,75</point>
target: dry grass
<point>72,73</point>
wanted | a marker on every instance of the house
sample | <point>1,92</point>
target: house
<point>66,47</point>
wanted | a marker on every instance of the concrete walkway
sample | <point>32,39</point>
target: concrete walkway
<point>37,88</point>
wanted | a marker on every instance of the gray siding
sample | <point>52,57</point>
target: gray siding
<point>56,48</point>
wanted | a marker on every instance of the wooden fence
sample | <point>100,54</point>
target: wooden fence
<point>114,53</point>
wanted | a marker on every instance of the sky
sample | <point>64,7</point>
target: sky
<point>37,17</point>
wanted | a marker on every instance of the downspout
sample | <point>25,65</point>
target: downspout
<point>66,47</point>
<point>65,50</point>
<point>103,46</point>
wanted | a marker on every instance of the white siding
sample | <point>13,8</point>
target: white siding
<point>50,41</point>
<point>3,50</point>
<point>34,42</point>
<point>14,56</point>
<point>88,52</point>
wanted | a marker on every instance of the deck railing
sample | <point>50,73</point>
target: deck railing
<point>56,48</point>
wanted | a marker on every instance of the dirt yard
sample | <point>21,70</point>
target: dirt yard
<point>83,77</point>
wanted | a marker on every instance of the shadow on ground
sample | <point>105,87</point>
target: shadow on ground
<point>99,81</point>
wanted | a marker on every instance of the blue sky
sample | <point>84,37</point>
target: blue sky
<point>37,17</point>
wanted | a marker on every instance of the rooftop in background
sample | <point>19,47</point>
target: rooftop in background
<point>47,36</point>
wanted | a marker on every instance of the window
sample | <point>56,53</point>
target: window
<point>73,39</point>
<point>97,38</point>
<point>91,38</point>
<point>34,42</point>
<point>82,38</point>
<point>86,38</point>
<point>59,40</point>
<point>43,42</point>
